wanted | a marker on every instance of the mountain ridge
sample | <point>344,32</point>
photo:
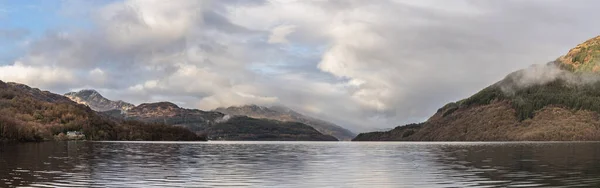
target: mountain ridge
<point>96,101</point>
<point>283,113</point>
<point>213,124</point>
<point>219,126</point>
<point>169,113</point>
<point>198,120</point>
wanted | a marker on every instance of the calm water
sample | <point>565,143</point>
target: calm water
<point>299,164</point>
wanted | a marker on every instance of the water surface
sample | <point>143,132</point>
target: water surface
<point>299,164</point>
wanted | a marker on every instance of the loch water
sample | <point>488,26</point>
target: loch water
<point>300,164</point>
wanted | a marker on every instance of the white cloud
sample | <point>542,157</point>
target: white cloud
<point>36,76</point>
<point>97,73</point>
<point>279,34</point>
<point>148,23</point>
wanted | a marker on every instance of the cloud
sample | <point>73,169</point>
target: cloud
<point>148,24</point>
<point>47,76</point>
<point>540,74</point>
<point>362,64</point>
<point>279,34</point>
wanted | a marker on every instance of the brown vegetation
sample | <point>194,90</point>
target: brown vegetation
<point>497,122</point>
<point>28,114</point>
<point>584,57</point>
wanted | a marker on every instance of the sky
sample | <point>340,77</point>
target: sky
<point>364,65</point>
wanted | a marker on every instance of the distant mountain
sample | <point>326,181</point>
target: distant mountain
<point>97,102</point>
<point>559,101</point>
<point>246,128</point>
<point>171,114</point>
<point>29,114</point>
<point>219,126</point>
<point>203,122</point>
<point>281,113</point>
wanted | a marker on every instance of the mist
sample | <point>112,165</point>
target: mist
<point>540,74</point>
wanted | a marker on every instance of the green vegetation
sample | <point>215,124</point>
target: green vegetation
<point>527,100</point>
<point>587,58</point>
<point>397,134</point>
<point>583,58</point>
<point>31,115</point>
<point>246,128</point>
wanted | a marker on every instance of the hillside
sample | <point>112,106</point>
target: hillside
<point>557,101</point>
<point>246,128</point>
<point>583,58</point>
<point>29,114</point>
<point>171,114</point>
<point>97,102</point>
<point>281,113</point>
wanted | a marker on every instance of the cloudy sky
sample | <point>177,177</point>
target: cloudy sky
<point>365,65</point>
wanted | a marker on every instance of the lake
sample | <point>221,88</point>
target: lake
<point>300,164</point>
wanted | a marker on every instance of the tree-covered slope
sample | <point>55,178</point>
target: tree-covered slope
<point>246,128</point>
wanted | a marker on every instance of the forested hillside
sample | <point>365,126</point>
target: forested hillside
<point>29,114</point>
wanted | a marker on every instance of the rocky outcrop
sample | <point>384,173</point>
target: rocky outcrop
<point>97,102</point>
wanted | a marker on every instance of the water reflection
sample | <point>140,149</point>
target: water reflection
<point>566,164</point>
<point>298,164</point>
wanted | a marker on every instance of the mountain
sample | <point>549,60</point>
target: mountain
<point>281,113</point>
<point>160,112</point>
<point>246,128</point>
<point>559,101</point>
<point>97,102</point>
<point>29,114</point>
<point>171,114</point>
<point>219,126</point>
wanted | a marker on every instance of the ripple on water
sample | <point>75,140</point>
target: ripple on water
<point>299,164</point>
